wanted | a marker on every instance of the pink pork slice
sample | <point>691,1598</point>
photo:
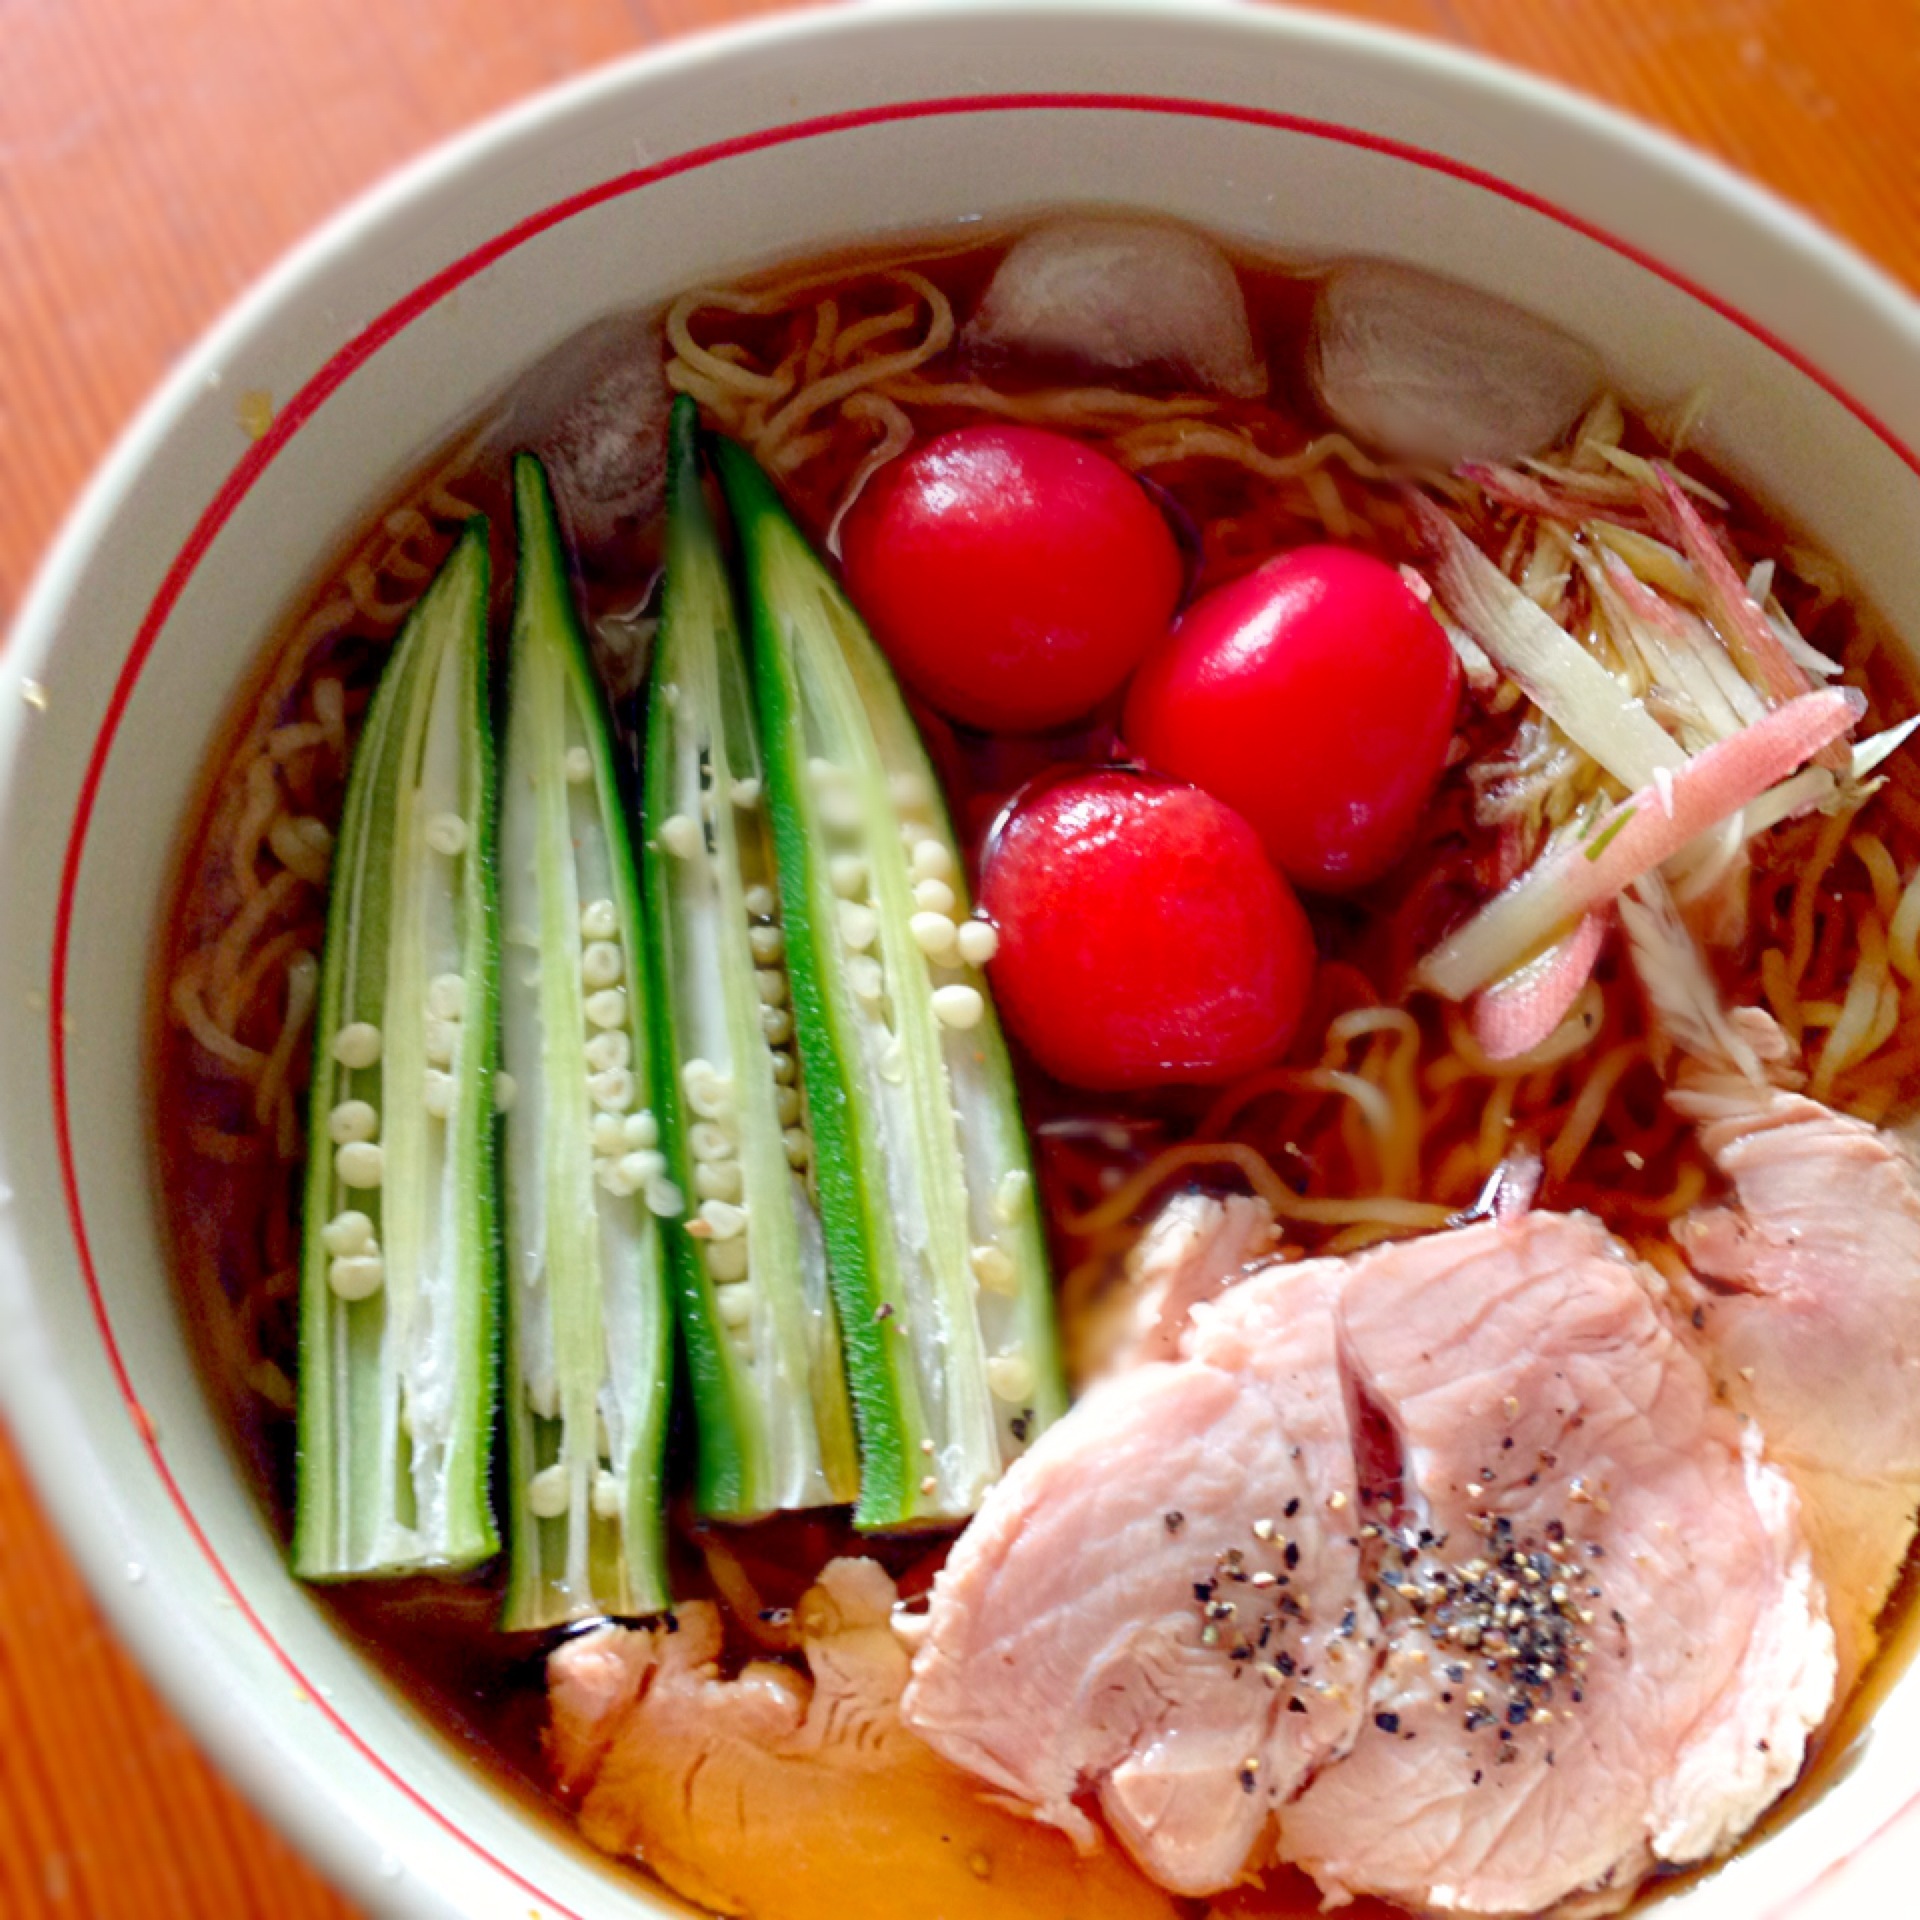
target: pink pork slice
<point>1811,1323</point>
<point>1420,1429</point>
<point>1162,1602</point>
<point>1605,1644</point>
<point>1195,1246</point>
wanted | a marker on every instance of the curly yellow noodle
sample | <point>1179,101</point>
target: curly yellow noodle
<point>1782,1002</point>
<point>1871,851</point>
<point>1496,1127</point>
<point>1127,1198</point>
<point>1806,894</point>
<point>1903,933</point>
<point>183,997</point>
<point>1606,1074</point>
<point>1851,1033</point>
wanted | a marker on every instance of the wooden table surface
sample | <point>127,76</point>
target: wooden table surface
<point>156,155</point>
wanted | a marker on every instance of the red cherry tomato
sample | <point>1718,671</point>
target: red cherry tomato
<point>1144,937</point>
<point>1317,697</point>
<point>1013,576</point>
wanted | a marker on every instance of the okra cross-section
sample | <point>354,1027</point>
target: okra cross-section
<point>398,1263</point>
<point>763,1349</point>
<point>589,1362</point>
<point>922,1170</point>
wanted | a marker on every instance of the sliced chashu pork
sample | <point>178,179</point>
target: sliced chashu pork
<point>1099,1624</point>
<point>1510,1390</point>
<point>1567,1455</point>
<point>801,1795</point>
<point>1195,1246</point>
<point>1811,1322</point>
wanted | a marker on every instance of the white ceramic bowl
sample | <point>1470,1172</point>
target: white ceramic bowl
<point>1296,132</point>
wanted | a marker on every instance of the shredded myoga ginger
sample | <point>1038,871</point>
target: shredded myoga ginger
<point>1387,1119</point>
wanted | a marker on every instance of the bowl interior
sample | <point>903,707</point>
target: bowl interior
<point>404,318</point>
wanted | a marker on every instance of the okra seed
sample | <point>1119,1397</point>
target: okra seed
<point>681,836</point>
<point>352,1120</point>
<point>447,833</point>
<point>1013,1195</point>
<point>760,901</point>
<point>709,1093</point>
<point>607,1008</point>
<point>357,1044</point>
<point>358,1164</point>
<point>447,996</point>
<point>933,934</point>
<point>727,1219</point>
<point>349,1231</point>
<point>746,793</point>
<point>611,1091</point>
<point>893,1064</point>
<point>908,791</point>
<point>784,1066</point>
<point>665,1199</point>
<point>865,979</point>
<point>772,984</point>
<point>859,925</point>
<point>848,873</point>
<point>506,1090</point>
<point>609,1133</point>
<point>436,1093</point>
<point>598,921</point>
<point>823,772</point>
<point>1010,1377</point>
<point>933,896</point>
<point>960,1007</point>
<point>840,807</point>
<point>786,1103</point>
<point>717,1179</point>
<point>356,1276</point>
<point>978,941</point>
<point>777,1024</point>
<point>606,1496</point>
<point>439,1042</point>
<point>670,693</point>
<point>735,1304</point>
<point>601,964</point>
<point>993,1268</point>
<point>799,1147</point>
<point>642,1129</point>
<point>613,1176</point>
<point>611,1049</point>
<point>547,1492</point>
<point>638,1168</point>
<point>578,763</point>
<point>931,860</point>
<point>709,1142</point>
<point>766,944</point>
<point>727,1259</point>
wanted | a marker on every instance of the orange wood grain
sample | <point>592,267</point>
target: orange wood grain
<point>155,155</point>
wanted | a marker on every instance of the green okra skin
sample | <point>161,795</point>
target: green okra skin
<point>923,1176</point>
<point>775,1429</point>
<point>589,1363</point>
<point>399,1257</point>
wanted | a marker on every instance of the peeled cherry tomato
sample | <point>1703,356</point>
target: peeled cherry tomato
<point>1317,697</point>
<point>1013,576</point>
<point>1144,936</point>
